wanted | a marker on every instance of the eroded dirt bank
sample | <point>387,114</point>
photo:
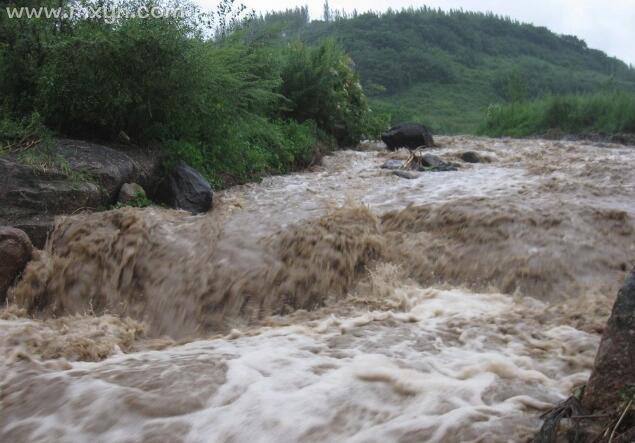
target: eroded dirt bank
<point>341,303</point>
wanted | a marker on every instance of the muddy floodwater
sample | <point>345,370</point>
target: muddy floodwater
<point>344,303</point>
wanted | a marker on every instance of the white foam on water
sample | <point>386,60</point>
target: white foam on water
<point>439,371</point>
<point>412,364</point>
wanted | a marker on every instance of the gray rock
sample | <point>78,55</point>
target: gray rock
<point>405,174</point>
<point>30,198</point>
<point>184,188</point>
<point>64,178</point>
<point>470,157</point>
<point>432,161</point>
<point>392,164</point>
<point>429,162</point>
<point>15,252</point>
<point>614,368</point>
<point>130,192</point>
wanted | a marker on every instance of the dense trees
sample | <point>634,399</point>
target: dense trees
<point>412,62</point>
<point>240,96</point>
<point>201,86</point>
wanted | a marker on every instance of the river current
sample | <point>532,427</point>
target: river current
<point>343,303</point>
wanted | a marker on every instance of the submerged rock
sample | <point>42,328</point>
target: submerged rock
<point>429,162</point>
<point>406,174</point>
<point>470,157</point>
<point>15,252</point>
<point>614,369</point>
<point>392,164</point>
<point>407,135</point>
<point>184,188</point>
<point>433,161</point>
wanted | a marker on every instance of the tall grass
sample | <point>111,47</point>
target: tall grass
<point>607,113</point>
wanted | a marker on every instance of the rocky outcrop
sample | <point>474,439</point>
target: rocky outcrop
<point>407,135</point>
<point>15,252</point>
<point>184,188</point>
<point>606,412</point>
<point>614,369</point>
<point>64,177</point>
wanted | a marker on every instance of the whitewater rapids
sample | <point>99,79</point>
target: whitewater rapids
<point>339,304</point>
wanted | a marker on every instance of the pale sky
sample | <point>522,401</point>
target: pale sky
<point>608,25</point>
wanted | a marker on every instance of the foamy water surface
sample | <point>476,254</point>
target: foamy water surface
<point>404,355</point>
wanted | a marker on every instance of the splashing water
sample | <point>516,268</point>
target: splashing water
<point>340,304</point>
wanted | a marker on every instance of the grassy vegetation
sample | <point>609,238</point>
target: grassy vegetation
<point>234,107</point>
<point>607,113</point>
<point>445,68</point>
<point>31,143</point>
<point>140,201</point>
<point>18,133</point>
<point>441,107</point>
<point>238,99</point>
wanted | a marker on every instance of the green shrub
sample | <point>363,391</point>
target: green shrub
<point>254,149</point>
<point>233,107</point>
<point>20,133</point>
<point>321,85</point>
<point>608,113</point>
<point>139,201</point>
<point>136,77</point>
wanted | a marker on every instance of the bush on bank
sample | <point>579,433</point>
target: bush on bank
<point>608,113</point>
<point>234,108</point>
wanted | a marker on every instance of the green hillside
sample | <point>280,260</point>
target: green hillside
<point>445,68</point>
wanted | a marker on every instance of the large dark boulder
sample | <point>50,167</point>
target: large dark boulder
<point>407,135</point>
<point>184,188</point>
<point>470,157</point>
<point>64,177</point>
<point>614,369</point>
<point>15,252</point>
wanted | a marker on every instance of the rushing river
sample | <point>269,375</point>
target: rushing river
<point>339,304</point>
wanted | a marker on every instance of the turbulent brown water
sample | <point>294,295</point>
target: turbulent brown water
<point>340,304</point>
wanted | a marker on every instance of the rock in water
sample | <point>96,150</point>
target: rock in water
<point>405,174</point>
<point>432,161</point>
<point>407,135</point>
<point>614,368</point>
<point>184,188</point>
<point>130,192</point>
<point>392,164</point>
<point>470,157</point>
<point>429,162</point>
<point>15,252</point>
